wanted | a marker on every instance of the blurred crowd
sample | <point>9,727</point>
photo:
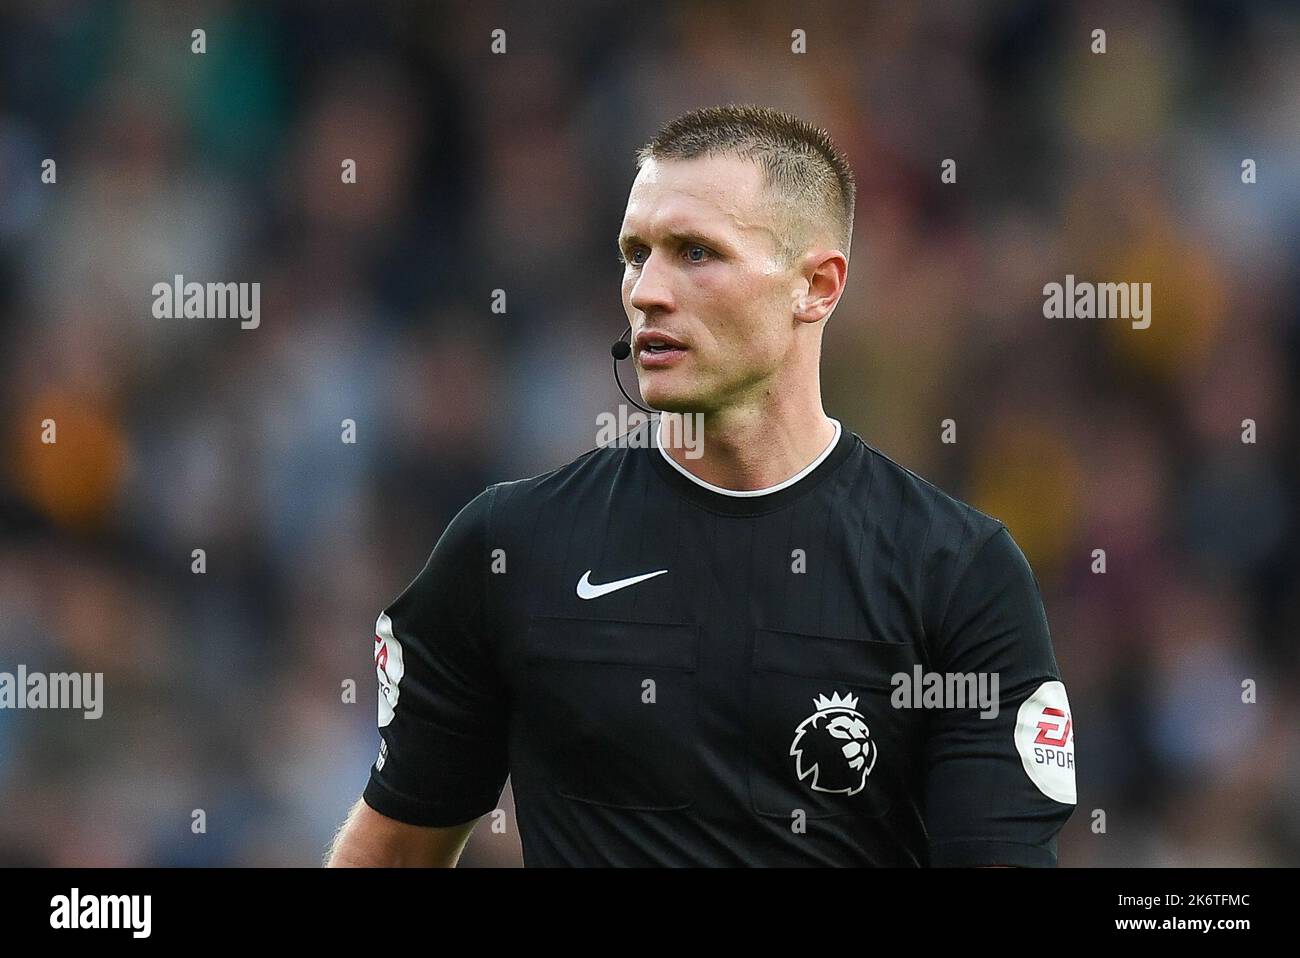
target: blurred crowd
<point>226,692</point>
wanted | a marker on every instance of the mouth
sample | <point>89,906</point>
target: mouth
<point>655,350</point>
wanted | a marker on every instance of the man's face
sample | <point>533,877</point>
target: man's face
<point>703,269</point>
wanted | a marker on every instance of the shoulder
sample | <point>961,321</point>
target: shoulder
<point>563,486</point>
<point>942,546</point>
<point>942,525</point>
<point>592,466</point>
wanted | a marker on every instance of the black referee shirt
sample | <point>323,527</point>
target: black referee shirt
<point>673,674</point>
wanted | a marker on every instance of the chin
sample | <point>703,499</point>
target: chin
<point>671,397</point>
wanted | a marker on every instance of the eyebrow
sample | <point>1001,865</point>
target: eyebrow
<point>677,237</point>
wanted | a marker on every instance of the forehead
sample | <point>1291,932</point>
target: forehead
<point>721,193</point>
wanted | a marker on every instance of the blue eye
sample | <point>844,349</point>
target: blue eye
<point>631,260</point>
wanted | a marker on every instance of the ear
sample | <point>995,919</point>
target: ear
<point>825,273</point>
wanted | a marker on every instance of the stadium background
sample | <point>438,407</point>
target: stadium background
<point>480,172</point>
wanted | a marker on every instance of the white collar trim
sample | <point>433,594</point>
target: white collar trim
<point>748,493</point>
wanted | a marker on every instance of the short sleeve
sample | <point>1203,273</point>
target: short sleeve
<point>442,711</point>
<point>999,787</point>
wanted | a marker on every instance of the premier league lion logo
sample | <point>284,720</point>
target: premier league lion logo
<point>834,746</point>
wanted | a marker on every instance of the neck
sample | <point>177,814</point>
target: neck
<point>749,449</point>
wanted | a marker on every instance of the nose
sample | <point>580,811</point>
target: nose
<point>652,291</point>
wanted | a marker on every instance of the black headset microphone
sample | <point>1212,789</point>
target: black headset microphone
<point>621,350</point>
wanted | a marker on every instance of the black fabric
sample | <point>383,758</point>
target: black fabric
<point>667,722</point>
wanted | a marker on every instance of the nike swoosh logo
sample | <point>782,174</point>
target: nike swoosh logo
<point>588,591</point>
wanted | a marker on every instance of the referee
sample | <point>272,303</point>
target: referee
<point>712,653</point>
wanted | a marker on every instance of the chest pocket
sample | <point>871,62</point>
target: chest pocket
<point>609,710</point>
<point>823,736</point>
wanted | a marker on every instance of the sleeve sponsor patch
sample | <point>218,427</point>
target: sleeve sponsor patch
<point>1045,739</point>
<point>388,667</point>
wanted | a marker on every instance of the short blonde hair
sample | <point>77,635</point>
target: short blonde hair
<point>812,184</point>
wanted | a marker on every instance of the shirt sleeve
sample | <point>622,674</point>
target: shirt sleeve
<point>999,787</point>
<point>442,711</point>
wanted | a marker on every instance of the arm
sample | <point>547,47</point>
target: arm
<point>999,787</point>
<point>371,840</point>
<point>443,712</point>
